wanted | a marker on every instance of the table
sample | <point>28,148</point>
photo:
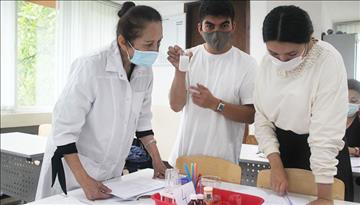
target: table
<point>252,162</point>
<point>21,160</point>
<point>77,196</point>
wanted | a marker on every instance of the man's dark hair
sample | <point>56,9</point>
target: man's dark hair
<point>216,8</point>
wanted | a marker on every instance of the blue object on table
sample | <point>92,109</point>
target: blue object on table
<point>184,180</point>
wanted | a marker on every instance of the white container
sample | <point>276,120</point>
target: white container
<point>184,62</point>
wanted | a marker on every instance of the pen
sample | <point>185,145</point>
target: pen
<point>192,172</point>
<point>187,171</point>
<point>286,196</point>
<point>198,188</point>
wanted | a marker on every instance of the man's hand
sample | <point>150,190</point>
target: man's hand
<point>202,97</point>
<point>174,53</point>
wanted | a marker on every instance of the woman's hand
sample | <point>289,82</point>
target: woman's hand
<point>94,189</point>
<point>159,169</point>
<point>354,151</point>
<point>279,182</point>
<point>150,145</point>
<point>321,202</point>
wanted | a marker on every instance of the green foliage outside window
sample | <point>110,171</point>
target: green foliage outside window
<point>35,48</point>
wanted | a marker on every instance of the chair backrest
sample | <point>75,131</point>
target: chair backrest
<point>301,181</point>
<point>226,170</point>
<point>250,139</point>
<point>44,130</point>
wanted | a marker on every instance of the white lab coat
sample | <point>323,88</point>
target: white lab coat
<point>100,110</point>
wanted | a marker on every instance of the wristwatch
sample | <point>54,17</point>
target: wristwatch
<point>220,107</point>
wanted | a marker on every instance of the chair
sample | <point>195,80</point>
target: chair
<point>250,139</point>
<point>226,170</point>
<point>44,130</point>
<point>301,181</point>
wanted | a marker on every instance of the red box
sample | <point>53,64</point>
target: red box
<point>157,198</point>
<point>246,199</point>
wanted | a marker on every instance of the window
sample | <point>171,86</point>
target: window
<point>40,40</point>
<point>30,77</point>
<point>35,54</point>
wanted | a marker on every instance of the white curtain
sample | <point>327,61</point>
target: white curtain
<point>8,54</point>
<point>82,27</point>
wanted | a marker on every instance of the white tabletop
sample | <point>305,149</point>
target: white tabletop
<point>23,145</point>
<point>77,196</point>
<point>249,153</point>
<point>355,165</point>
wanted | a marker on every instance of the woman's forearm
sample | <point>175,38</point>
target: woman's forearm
<point>324,191</point>
<point>76,167</point>
<point>150,145</point>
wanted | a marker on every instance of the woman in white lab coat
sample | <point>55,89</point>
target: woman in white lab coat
<point>106,102</point>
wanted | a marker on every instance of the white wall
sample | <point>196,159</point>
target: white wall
<point>165,8</point>
<point>335,11</point>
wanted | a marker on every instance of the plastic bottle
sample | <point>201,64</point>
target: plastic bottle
<point>200,199</point>
<point>208,195</point>
<point>193,200</point>
<point>167,197</point>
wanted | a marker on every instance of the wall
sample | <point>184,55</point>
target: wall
<point>333,11</point>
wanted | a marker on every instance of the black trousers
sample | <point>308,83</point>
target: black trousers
<point>295,153</point>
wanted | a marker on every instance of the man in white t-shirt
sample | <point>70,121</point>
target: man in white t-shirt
<point>216,93</point>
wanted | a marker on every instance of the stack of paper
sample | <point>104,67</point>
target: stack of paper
<point>130,189</point>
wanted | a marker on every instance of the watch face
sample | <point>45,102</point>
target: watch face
<point>220,107</point>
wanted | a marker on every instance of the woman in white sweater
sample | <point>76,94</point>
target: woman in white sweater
<point>301,104</point>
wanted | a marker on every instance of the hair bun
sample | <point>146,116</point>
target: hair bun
<point>125,7</point>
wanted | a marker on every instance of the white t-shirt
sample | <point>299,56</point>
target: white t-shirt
<point>312,99</point>
<point>229,77</point>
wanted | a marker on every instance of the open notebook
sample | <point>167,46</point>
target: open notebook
<point>130,189</point>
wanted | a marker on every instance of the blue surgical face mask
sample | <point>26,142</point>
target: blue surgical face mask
<point>353,108</point>
<point>143,58</point>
